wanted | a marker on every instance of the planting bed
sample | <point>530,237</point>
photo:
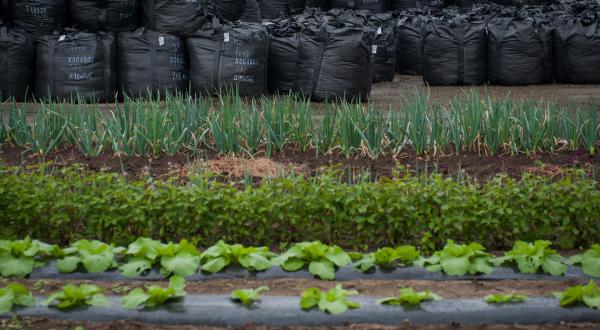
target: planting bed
<point>431,172</point>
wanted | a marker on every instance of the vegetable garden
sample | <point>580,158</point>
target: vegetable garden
<point>319,245</point>
<point>269,164</point>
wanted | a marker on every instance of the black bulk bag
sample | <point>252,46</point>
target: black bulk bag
<point>577,51</point>
<point>38,17</point>
<point>270,9</point>
<point>182,17</point>
<point>408,43</point>
<point>16,64</point>
<point>335,61</point>
<point>76,64</point>
<point>374,6</point>
<point>105,15</point>
<point>252,12</point>
<point>283,53</point>
<point>151,62</point>
<point>321,4</point>
<point>519,52</point>
<point>226,56</point>
<point>454,52</point>
<point>400,5</point>
<point>384,61</point>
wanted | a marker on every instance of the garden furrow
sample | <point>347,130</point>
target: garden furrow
<point>219,310</point>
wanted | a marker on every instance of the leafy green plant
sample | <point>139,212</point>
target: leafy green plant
<point>219,256</point>
<point>14,294</point>
<point>175,259</point>
<point>587,294</point>
<point>320,258</point>
<point>418,210</point>
<point>334,301</point>
<point>77,296</point>
<point>408,296</point>
<point>19,258</point>
<point>589,260</point>
<point>531,257</point>
<point>95,256</point>
<point>248,296</point>
<point>460,259</point>
<point>155,295</point>
<point>505,298</point>
<point>388,258</point>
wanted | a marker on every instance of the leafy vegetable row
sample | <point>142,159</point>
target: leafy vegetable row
<point>334,301</point>
<point>75,204</point>
<point>19,258</point>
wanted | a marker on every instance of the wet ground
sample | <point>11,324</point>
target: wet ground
<point>390,93</point>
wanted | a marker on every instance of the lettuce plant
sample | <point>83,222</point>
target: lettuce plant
<point>155,295</point>
<point>389,258</point>
<point>14,294</point>
<point>408,296</point>
<point>248,296</point>
<point>77,296</point>
<point>531,258</point>
<point>334,301</point>
<point>321,259</point>
<point>174,259</point>
<point>95,256</point>
<point>19,258</point>
<point>505,298</point>
<point>459,259</point>
<point>219,256</point>
<point>589,260</point>
<point>589,295</point>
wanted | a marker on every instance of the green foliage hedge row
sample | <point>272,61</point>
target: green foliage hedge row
<point>407,210</point>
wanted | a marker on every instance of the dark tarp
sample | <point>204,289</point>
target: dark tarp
<point>577,50</point>
<point>151,61</point>
<point>283,53</point>
<point>519,52</point>
<point>105,15</point>
<point>38,17</point>
<point>335,62</point>
<point>252,12</point>
<point>76,64</point>
<point>408,43</point>
<point>181,18</point>
<point>16,64</point>
<point>455,52</point>
<point>226,56</point>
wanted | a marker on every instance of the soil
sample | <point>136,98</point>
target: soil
<point>467,165</point>
<point>392,93</point>
<point>295,287</point>
<point>44,323</point>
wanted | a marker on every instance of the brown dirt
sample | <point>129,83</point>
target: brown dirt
<point>392,93</point>
<point>294,287</point>
<point>468,165</point>
<point>44,323</point>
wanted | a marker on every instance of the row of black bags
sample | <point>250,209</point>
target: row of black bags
<point>322,55</point>
<point>500,45</point>
<point>93,66</point>
<point>43,17</point>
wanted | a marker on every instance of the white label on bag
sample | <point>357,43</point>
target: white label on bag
<point>62,38</point>
<point>379,31</point>
<point>161,41</point>
<point>374,49</point>
<point>226,37</point>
